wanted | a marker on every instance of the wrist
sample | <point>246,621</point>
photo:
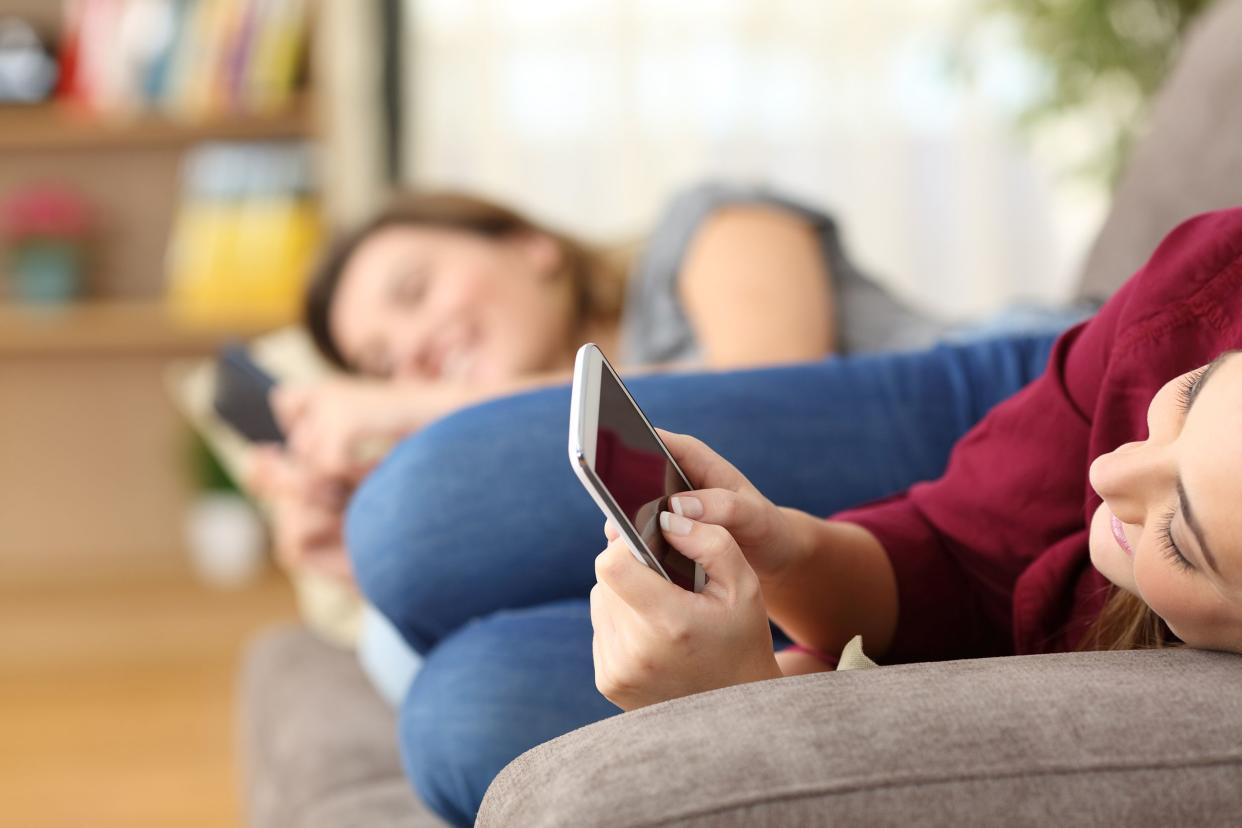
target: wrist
<point>801,530</point>
<point>416,403</point>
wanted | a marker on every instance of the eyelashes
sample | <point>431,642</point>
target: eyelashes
<point>1187,386</point>
<point>1186,389</point>
<point>1168,546</point>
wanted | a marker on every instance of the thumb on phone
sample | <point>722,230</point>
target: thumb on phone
<point>262,469</point>
<point>288,403</point>
<point>702,465</point>
<point>713,548</point>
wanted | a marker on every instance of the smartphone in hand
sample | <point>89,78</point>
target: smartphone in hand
<point>242,396</point>
<point>625,466</point>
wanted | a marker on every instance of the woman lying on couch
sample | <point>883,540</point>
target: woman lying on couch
<point>1092,509</point>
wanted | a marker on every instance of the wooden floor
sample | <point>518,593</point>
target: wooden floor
<point>116,703</point>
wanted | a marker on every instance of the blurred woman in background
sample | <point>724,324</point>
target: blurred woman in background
<point>445,300</point>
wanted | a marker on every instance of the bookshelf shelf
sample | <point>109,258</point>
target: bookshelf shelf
<point>45,127</point>
<point>111,328</point>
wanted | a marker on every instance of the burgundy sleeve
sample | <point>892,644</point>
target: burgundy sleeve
<point>1013,486</point>
<point>1016,484</point>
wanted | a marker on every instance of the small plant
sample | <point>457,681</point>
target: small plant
<point>1102,60</point>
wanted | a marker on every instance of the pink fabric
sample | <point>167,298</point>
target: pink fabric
<point>992,558</point>
<point>829,660</point>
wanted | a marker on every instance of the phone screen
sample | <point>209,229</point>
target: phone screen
<point>241,396</point>
<point>633,466</point>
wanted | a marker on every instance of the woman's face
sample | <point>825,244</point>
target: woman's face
<point>1176,540</point>
<point>438,304</point>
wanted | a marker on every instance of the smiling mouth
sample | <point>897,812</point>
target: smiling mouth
<point>1119,534</point>
<point>457,364</point>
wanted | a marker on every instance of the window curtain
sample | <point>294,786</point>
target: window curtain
<point>591,113</point>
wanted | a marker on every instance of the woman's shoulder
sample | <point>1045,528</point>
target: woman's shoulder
<point>1193,276</point>
<point>1178,312</point>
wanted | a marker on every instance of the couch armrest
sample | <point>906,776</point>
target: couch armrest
<point>317,744</point>
<point>1136,738</point>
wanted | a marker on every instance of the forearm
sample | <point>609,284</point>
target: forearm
<point>838,584</point>
<point>419,402</point>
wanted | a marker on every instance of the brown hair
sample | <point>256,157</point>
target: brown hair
<point>597,279</point>
<point>1127,623</point>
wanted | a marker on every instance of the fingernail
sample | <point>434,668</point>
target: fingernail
<point>690,507</point>
<point>675,524</point>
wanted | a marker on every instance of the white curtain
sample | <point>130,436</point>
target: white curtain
<point>590,113</point>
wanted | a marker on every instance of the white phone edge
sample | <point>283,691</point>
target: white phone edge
<point>589,363</point>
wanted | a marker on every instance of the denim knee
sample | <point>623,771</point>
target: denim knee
<point>396,520</point>
<point>447,760</point>
<point>492,690</point>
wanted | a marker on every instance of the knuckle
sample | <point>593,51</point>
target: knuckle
<point>748,590</point>
<point>608,563</point>
<point>627,677</point>
<point>609,684</point>
<point>716,539</point>
<point>678,631</point>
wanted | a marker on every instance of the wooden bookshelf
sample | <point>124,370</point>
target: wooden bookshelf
<point>117,328</point>
<point>46,127</point>
<point>95,473</point>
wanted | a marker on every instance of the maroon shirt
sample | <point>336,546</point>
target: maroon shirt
<point>992,558</point>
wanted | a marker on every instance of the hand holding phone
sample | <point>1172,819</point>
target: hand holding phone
<point>652,642</point>
<point>627,470</point>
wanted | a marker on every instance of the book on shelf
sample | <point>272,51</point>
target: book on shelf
<point>245,234</point>
<point>189,58</point>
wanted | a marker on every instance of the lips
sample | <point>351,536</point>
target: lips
<point>1119,533</point>
<point>456,364</point>
<point>453,359</point>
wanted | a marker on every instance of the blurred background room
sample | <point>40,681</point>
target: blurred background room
<point>170,168</point>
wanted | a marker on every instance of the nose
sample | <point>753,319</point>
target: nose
<point>1133,477</point>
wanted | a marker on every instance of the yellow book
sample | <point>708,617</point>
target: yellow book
<point>280,39</point>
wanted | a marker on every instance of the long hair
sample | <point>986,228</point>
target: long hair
<point>596,276</point>
<point>1127,623</point>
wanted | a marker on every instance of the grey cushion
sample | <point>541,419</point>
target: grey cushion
<point>318,745</point>
<point>1134,738</point>
<point>1190,160</point>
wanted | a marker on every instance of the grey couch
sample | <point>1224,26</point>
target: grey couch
<point>1141,738</point>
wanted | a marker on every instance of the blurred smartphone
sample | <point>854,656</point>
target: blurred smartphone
<point>625,466</point>
<point>242,396</point>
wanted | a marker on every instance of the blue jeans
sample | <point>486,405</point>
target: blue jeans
<point>476,540</point>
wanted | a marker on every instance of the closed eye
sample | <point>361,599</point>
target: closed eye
<point>1169,546</point>
<point>410,288</point>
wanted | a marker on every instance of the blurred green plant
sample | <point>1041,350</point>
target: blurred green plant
<point>1102,60</point>
<point>207,474</point>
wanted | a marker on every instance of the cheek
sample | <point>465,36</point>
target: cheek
<point>1176,596</point>
<point>464,289</point>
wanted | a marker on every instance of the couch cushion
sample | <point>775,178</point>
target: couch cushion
<point>1190,160</point>
<point>1130,738</point>
<point>318,745</point>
